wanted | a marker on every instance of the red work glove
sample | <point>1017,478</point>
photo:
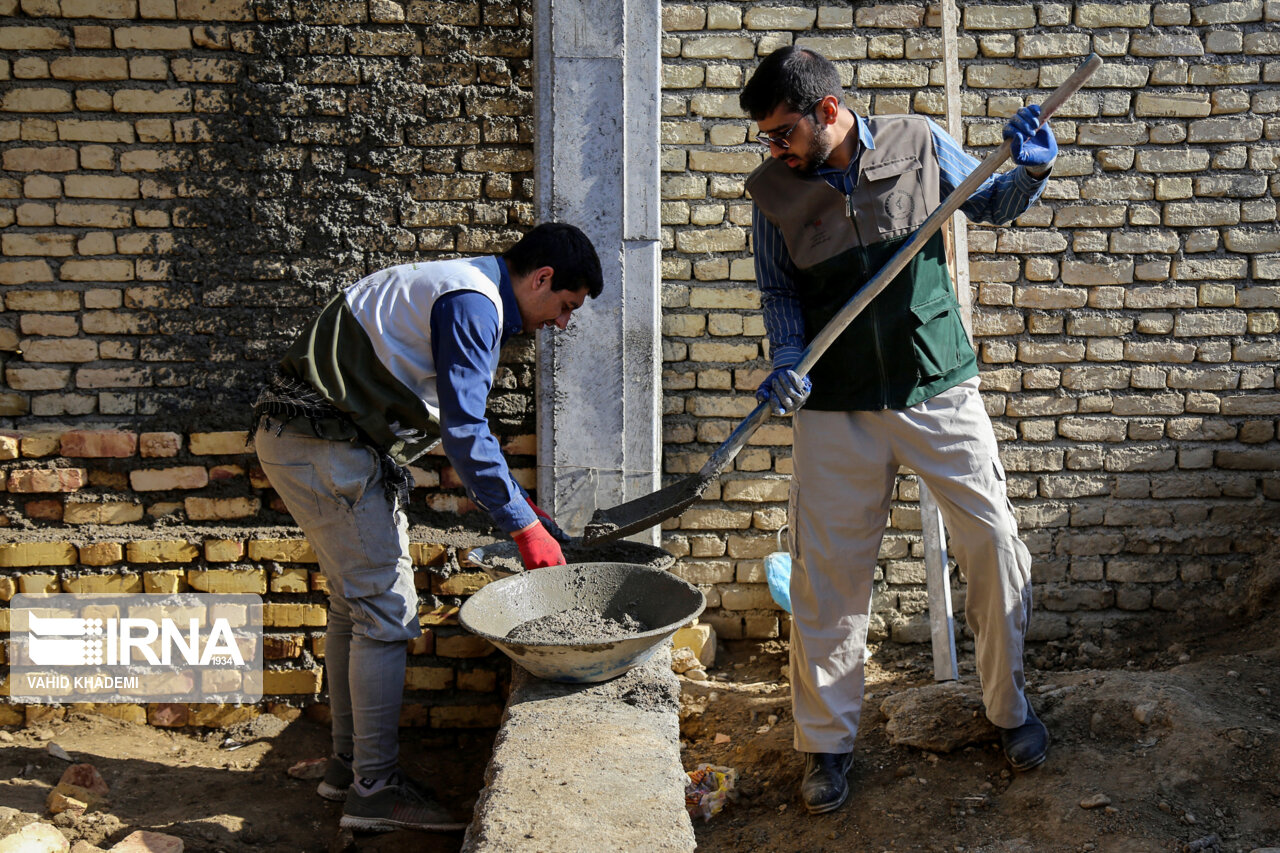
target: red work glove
<point>538,548</point>
<point>547,521</point>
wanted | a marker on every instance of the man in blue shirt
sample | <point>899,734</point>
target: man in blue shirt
<point>835,200</point>
<point>398,362</point>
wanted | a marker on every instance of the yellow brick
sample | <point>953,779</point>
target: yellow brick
<point>466,716</point>
<point>162,551</point>
<point>413,715</point>
<point>39,446</point>
<point>90,68</point>
<point>228,580</point>
<point>167,581</point>
<point>278,681</point>
<point>290,580</point>
<point>144,101</point>
<point>122,583</point>
<point>37,714</point>
<point>12,715</point>
<point>277,615</point>
<point>32,38</point>
<point>478,680</point>
<point>220,716</point>
<point>115,512</point>
<point>32,100</point>
<point>219,443</point>
<point>153,38</point>
<point>17,554</point>
<point>463,646</point>
<point>427,553</point>
<point>101,553</point>
<point>428,678</point>
<point>462,583</point>
<point>215,10</point>
<point>441,614</point>
<point>8,588</point>
<point>221,509</point>
<point>223,550</point>
<point>110,9</point>
<point>281,550</point>
<point>32,584</point>
<point>700,639</point>
<point>135,714</point>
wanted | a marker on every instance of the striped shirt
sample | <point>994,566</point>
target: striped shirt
<point>1000,199</point>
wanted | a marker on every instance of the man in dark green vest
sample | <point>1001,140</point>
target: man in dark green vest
<point>836,198</point>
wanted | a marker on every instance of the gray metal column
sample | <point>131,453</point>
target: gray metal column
<point>597,86</point>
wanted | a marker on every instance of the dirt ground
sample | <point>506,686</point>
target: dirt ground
<point>1163,741</point>
<point>185,782</point>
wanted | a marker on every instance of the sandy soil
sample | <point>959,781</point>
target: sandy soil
<point>1161,743</point>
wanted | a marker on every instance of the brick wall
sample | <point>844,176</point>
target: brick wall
<point>182,184</point>
<point>1126,325</point>
<point>185,181</point>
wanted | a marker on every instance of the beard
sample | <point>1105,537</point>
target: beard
<point>819,150</point>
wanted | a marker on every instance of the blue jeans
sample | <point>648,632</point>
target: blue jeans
<point>334,491</point>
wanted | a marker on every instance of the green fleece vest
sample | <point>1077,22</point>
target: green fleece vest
<point>909,343</point>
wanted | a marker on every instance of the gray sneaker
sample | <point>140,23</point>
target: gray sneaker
<point>338,777</point>
<point>400,804</point>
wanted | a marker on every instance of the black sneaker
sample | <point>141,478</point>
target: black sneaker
<point>337,780</point>
<point>824,787</point>
<point>399,804</point>
<point>1027,745</point>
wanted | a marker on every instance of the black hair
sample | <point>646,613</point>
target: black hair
<point>566,250</point>
<point>792,75</point>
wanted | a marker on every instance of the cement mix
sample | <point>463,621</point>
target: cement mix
<point>579,624</point>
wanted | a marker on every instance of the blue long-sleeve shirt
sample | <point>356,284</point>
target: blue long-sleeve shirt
<point>465,342</point>
<point>998,200</point>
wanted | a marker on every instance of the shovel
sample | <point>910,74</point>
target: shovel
<point>644,512</point>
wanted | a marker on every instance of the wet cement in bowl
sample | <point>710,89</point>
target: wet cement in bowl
<point>577,624</point>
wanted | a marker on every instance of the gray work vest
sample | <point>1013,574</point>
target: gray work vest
<point>909,342</point>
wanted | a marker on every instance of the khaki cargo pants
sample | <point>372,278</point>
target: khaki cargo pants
<point>845,464</point>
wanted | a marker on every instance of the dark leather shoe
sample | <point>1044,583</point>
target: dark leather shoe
<point>825,787</point>
<point>1027,745</point>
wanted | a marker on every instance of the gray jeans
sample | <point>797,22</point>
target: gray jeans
<point>334,491</point>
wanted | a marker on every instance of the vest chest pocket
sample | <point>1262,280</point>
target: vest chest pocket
<point>892,198</point>
<point>939,338</point>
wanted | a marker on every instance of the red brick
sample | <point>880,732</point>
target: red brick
<point>29,480</point>
<point>99,444</point>
<point>167,715</point>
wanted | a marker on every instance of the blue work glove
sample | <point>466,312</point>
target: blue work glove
<point>785,389</point>
<point>1033,145</point>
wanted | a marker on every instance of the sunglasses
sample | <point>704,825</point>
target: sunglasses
<point>780,138</point>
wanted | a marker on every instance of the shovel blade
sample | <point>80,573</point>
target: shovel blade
<point>644,512</point>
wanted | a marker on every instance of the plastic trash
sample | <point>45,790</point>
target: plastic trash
<point>777,570</point>
<point>709,787</point>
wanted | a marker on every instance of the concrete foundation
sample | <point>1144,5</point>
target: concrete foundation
<point>587,767</point>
